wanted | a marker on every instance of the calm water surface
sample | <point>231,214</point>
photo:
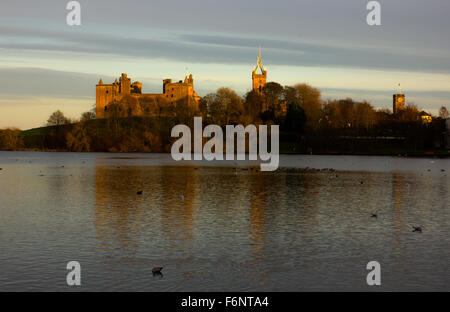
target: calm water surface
<point>214,228</point>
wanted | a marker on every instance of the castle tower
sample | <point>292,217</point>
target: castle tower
<point>259,80</point>
<point>398,103</point>
<point>104,94</point>
<point>125,84</point>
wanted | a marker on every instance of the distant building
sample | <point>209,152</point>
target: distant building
<point>425,117</point>
<point>172,92</point>
<point>259,80</point>
<point>398,103</point>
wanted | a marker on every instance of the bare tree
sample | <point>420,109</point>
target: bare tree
<point>57,118</point>
<point>87,116</point>
<point>443,112</point>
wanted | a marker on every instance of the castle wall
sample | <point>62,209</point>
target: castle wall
<point>172,92</point>
<point>178,90</point>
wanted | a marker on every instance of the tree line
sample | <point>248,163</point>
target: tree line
<point>307,122</point>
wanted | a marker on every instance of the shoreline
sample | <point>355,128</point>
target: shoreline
<point>421,154</point>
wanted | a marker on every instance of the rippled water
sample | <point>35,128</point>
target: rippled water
<point>216,228</point>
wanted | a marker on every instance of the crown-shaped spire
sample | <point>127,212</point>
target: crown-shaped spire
<point>259,63</point>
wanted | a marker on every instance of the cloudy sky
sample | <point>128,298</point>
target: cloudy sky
<point>47,65</point>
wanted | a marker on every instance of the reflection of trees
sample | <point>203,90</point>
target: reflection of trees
<point>258,204</point>
<point>123,218</point>
<point>267,208</point>
<point>397,197</point>
<point>179,188</point>
<point>302,194</point>
<point>117,207</point>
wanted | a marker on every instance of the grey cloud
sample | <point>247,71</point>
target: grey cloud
<point>226,49</point>
<point>284,52</point>
<point>42,82</point>
<point>37,82</point>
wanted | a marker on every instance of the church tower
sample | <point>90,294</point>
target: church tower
<point>259,80</point>
<point>398,103</point>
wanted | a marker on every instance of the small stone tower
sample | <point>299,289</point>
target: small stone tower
<point>259,80</point>
<point>125,84</point>
<point>398,103</point>
<point>105,93</point>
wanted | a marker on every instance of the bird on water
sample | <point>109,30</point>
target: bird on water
<point>417,229</point>
<point>157,270</point>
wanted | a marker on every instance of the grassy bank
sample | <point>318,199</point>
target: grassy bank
<point>136,134</point>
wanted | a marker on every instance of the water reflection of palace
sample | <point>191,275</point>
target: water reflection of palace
<point>126,220</point>
<point>179,190</point>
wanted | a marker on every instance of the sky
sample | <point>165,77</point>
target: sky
<point>46,65</point>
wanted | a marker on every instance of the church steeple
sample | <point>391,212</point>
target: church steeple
<point>259,63</point>
<point>259,80</point>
